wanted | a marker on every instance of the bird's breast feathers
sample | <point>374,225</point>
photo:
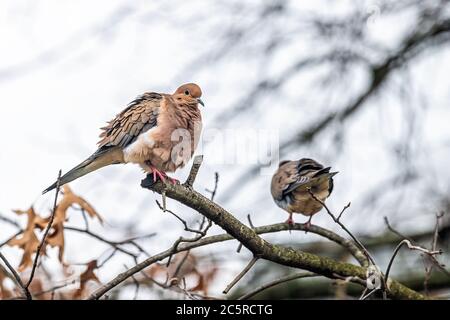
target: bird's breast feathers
<point>140,150</point>
<point>168,145</point>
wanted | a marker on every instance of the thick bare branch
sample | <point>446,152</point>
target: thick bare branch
<point>250,239</point>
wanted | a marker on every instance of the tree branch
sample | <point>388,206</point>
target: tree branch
<point>241,274</point>
<point>250,239</point>
<point>276,282</point>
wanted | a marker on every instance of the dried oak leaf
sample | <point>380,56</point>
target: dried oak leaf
<point>29,242</point>
<point>86,276</point>
<point>69,199</point>
<point>56,237</point>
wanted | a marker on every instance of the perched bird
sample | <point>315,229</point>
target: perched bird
<point>158,131</point>
<point>293,183</point>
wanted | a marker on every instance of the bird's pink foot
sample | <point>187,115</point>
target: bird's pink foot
<point>290,222</point>
<point>307,224</point>
<point>158,174</point>
<point>162,176</point>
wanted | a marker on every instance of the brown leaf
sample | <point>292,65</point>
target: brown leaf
<point>29,242</point>
<point>68,201</point>
<point>86,276</point>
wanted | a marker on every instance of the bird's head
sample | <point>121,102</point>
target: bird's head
<point>190,93</point>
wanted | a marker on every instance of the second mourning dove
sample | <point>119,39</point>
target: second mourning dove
<point>143,133</point>
<point>293,182</point>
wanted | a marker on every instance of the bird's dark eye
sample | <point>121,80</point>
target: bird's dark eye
<point>186,92</point>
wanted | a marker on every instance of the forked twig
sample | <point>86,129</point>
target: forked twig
<point>411,247</point>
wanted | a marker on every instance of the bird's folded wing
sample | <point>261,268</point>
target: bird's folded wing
<point>283,178</point>
<point>308,172</point>
<point>140,116</point>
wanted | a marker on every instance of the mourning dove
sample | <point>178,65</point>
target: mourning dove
<point>294,180</point>
<point>157,131</point>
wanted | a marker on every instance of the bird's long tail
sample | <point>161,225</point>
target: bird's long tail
<point>98,160</point>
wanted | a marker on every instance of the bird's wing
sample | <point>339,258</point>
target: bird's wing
<point>285,176</point>
<point>139,116</point>
<point>306,172</point>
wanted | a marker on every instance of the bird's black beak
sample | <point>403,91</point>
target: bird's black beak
<point>200,101</point>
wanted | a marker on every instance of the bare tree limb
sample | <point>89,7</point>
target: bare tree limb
<point>241,274</point>
<point>258,246</point>
<point>276,282</point>
<point>349,245</point>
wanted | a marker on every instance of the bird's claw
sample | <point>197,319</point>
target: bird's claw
<point>307,225</point>
<point>290,223</point>
<point>161,175</point>
<point>158,174</point>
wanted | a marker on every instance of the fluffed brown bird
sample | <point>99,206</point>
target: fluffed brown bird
<point>294,180</point>
<point>151,131</point>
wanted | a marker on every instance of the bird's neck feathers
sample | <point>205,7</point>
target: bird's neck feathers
<point>187,111</point>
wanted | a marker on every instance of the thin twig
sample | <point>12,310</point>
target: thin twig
<point>186,228</point>
<point>431,258</point>
<point>337,220</point>
<point>436,231</point>
<point>136,283</point>
<point>343,210</point>
<point>194,171</point>
<point>109,257</point>
<point>52,290</point>
<point>394,231</point>
<point>216,183</point>
<point>17,278</point>
<point>411,247</point>
<point>177,270</point>
<point>277,282</point>
<point>10,221</point>
<point>47,230</point>
<point>180,240</point>
<point>364,297</point>
<point>241,274</point>
<point>250,222</point>
<point>10,238</point>
<point>114,244</point>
